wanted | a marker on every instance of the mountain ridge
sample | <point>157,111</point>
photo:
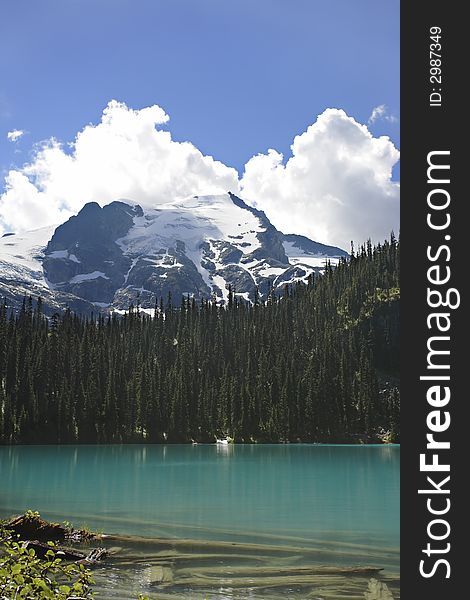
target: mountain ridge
<point>106,258</point>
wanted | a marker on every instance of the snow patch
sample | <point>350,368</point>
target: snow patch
<point>244,295</point>
<point>313,261</point>
<point>21,256</point>
<point>63,254</point>
<point>221,283</point>
<point>59,254</point>
<point>133,263</point>
<point>88,276</point>
<point>297,256</point>
<point>251,263</point>
<point>192,221</point>
<point>267,271</point>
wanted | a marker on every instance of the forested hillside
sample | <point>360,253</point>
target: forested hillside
<point>317,363</point>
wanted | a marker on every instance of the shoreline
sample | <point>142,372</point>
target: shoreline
<point>190,443</point>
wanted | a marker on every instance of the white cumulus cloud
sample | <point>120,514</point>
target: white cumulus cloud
<point>15,135</point>
<point>336,187</point>
<point>381,112</point>
<point>126,155</point>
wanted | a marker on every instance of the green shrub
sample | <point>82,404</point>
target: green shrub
<point>25,576</point>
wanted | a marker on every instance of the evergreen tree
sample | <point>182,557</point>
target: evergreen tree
<point>313,362</point>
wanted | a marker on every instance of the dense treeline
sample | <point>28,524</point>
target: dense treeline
<point>318,362</point>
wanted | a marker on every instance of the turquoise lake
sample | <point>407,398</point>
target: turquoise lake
<point>220,521</point>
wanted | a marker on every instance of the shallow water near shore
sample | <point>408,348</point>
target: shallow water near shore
<point>221,521</point>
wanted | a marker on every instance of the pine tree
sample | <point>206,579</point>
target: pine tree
<point>315,362</point>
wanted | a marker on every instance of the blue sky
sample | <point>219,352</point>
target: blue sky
<point>236,77</point>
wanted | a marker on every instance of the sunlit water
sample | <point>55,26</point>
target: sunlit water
<point>245,520</point>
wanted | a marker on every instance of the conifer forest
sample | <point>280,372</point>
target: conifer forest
<point>315,362</point>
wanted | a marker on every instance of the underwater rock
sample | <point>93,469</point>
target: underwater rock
<point>378,591</point>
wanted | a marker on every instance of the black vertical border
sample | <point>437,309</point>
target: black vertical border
<point>426,128</point>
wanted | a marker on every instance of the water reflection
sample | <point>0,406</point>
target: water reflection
<point>224,449</point>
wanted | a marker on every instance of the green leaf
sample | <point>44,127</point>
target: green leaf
<point>65,589</point>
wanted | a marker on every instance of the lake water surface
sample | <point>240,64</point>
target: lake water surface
<point>215,521</point>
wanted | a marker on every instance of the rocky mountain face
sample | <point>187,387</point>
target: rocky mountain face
<point>108,258</point>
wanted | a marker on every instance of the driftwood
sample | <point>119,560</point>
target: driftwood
<point>94,556</point>
<point>41,548</point>
<point>65,553</point>
<point>35,532</point>
<point>33,527</point>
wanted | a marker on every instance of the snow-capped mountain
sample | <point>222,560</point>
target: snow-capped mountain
<point>107,258</point>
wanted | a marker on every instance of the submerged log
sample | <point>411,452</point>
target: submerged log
<point>41,548</point>
<point>260,571</point>
<point>198,581</point>
<point>65,553</point>
<point>229,547</point>
<point>94,556</point>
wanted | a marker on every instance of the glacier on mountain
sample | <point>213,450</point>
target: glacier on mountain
<point>106,258</point>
